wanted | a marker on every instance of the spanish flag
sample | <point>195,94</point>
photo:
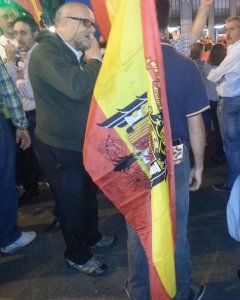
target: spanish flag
<point>33,7</point>
<point>128,149</point>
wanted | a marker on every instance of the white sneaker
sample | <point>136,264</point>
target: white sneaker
<point>92,267</point>
<point>26,238</point>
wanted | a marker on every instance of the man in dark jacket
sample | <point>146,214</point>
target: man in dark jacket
<point>63,89</point>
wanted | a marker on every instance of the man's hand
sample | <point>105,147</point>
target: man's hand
<point>94,51</point>
<point>200,20</point>
<point>197,140</point>
<point>10,50</point>
<point>207,2</point>
<point>23,137</point>
<point>20,73</point>
<point>195,179</point>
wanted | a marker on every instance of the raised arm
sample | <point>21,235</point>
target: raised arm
<point>200,20</point>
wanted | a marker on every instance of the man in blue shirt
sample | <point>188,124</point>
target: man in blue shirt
<point>187,99</point>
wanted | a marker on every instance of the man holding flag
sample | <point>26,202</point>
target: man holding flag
<point>128,139</point>
<point>186,99</point>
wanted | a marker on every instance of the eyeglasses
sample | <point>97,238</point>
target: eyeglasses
<point>87,23</point>
<point>6,17</point>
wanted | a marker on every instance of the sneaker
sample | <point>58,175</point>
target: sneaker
<point>197,291</point>
<point>26,238</point>
<point>105,242</point>
<point>221,187</point>
<point>92,267</point>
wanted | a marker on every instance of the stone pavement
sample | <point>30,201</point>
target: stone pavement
<point>39,272</point>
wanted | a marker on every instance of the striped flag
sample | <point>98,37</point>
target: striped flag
<point>33,7</point>
<point>127,149</point>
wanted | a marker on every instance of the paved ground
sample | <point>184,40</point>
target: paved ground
<point>40,273</point>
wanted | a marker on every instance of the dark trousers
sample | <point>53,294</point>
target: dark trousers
<point>75,196</point>
<point>218,136</point>
<point>28,166</point>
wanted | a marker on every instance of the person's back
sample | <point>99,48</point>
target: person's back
<point>181,89</point>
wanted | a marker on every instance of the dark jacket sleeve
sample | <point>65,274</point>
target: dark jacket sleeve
<point>59,71</point>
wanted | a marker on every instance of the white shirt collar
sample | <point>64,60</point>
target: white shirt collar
<point>77,53</point>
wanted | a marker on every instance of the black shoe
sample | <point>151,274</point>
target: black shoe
<point>27,196</point>
<point>221,188</point>
<point>197,291</point>
<point>106,242</point>
<point>53,227</point>
<point>92,267</point>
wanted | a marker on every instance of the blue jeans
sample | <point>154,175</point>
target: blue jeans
<point>9,231</point>
<point>75,196</point>
<point>229,121</point>
<point>138,284</point>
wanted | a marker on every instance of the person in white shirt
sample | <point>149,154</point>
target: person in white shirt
<point>227,77</point>
<point>7,15</point>
<point>25,31</point>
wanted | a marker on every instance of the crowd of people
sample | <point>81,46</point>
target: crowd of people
<point>48,114</point>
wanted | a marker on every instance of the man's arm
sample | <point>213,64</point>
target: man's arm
<point>80,81</point>
<point>183,43</point>
<point>12,100</point>
<point>230,64</point>
<point>200,20</point>
<point>197,141</point>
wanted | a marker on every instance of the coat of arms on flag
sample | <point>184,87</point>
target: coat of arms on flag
<point>128,147</point>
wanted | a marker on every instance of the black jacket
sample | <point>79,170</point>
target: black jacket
<point>62,92</point>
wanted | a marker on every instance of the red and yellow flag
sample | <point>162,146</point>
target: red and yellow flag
<point>105,12</point>
<point>128,149</point>
<point>33,7</point>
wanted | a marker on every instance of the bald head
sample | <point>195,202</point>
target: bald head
<point>75,23</point>
<point>71,9</point>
